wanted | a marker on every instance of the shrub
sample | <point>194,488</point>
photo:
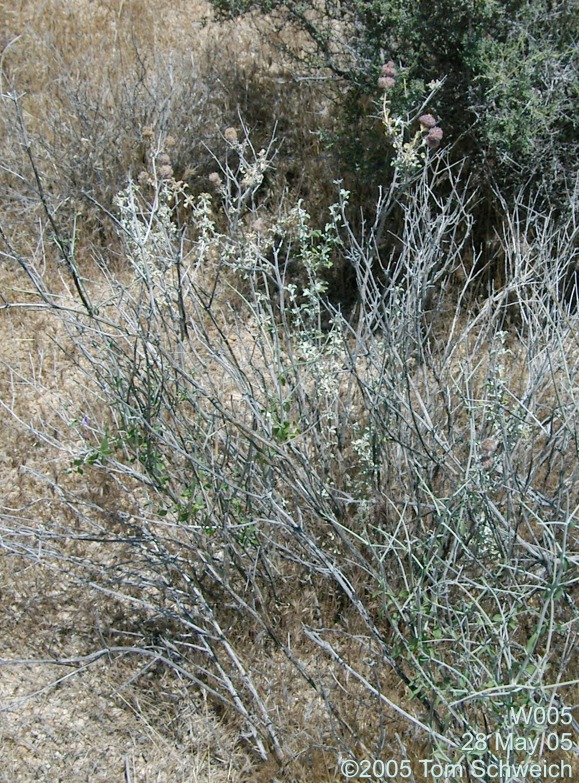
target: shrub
<point>393,494</point>
<point>510,89</point>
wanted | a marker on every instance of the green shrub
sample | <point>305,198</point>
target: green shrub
<point>509,73</point>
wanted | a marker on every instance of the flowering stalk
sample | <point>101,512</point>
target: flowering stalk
<point>410,155</point>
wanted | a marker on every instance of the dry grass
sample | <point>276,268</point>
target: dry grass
<point>369,432</point>
<point>112,720</point>
<point>93,77</point>
<point>107,719</point>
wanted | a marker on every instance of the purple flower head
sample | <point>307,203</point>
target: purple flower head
<point>427,121</point>
<point>433,138</point>
<point>386,82</point>
<point>389,69</point>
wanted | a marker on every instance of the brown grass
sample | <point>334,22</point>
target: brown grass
<point>113,720</point>
<point>94,77</point>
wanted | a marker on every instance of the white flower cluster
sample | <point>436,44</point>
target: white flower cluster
<point>149,231</point>
<point>253,173</point>
<point>363,448</point>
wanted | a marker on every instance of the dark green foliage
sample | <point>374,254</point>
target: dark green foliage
<point>510,95</point>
